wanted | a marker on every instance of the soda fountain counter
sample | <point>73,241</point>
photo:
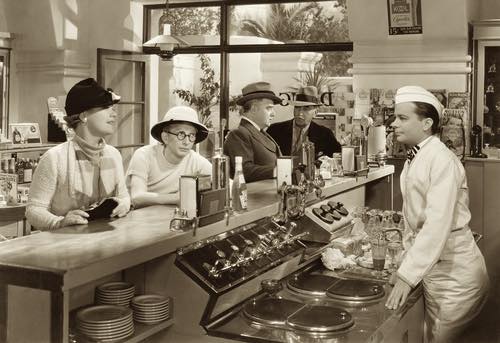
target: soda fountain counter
<point>213,275</point>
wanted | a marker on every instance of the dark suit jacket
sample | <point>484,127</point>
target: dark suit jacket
<point>322,137</point>
<point>258,150</point>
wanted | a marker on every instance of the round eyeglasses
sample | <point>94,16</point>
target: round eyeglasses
<point>181,135</point>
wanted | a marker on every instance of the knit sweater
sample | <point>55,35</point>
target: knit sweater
<point>66,180</point>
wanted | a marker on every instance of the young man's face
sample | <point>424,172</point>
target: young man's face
<point>175,146</point>
<point>409,128</point>
<point>303,115</point>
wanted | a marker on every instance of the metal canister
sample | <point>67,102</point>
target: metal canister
<point>308,158</point>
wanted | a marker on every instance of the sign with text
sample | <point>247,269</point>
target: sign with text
<point>405,17</point>
<point>25,134</point>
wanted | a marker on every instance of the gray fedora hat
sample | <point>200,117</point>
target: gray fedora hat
<point>307,96</point>
<point>257,90</point>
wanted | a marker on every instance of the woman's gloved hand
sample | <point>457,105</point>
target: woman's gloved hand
<point>74,217</point>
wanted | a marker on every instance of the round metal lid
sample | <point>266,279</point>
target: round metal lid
<point>315,285</point>
<point>356,290</point>
<point>320,319</point>
<point>270,311</point>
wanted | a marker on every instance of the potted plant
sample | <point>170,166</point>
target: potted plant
<point>207,97</point>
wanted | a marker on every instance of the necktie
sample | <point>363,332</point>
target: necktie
<point>410,154</point>
<point>298,141</point>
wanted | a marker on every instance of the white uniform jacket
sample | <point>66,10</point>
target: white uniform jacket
<point>441,250</point>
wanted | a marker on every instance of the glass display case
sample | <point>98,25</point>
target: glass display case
<point>487,80</point>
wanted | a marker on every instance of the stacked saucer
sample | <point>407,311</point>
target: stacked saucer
<point>151,308</point>
<point>105,323</point>
<point>115,293</point>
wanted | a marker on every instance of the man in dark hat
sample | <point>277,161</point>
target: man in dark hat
<point>258,150</point>
<point>290,134</point>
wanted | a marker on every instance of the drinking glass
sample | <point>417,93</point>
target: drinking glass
<point>379,250</point>
<point>393,250</point>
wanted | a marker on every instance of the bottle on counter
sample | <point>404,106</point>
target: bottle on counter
<point>12,166</point>
<point>239,189</point>
<point>28,170</point>
<point>19,169</point>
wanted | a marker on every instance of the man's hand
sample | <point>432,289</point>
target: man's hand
<point>398,295</point>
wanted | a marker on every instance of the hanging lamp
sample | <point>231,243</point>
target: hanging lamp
<point>165,43</point>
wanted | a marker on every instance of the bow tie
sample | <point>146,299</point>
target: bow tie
<point>410,154</point>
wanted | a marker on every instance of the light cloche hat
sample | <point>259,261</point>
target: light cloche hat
<point>180,114</point>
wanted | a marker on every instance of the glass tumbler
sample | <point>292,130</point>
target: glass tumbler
<point>379,250</point>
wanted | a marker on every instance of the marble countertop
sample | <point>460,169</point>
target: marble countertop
<point>72,256</point>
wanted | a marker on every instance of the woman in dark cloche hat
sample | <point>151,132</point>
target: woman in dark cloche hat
<point>82,172</point>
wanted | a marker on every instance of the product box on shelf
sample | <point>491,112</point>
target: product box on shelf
<point>8,188</point>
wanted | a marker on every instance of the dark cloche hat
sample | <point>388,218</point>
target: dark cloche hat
<point>257,90</point>
<point>88,94</point>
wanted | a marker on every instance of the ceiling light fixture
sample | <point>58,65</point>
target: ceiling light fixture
<point>165,43</point>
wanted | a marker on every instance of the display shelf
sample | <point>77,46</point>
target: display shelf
<point>20,149</point>
<point>141,332</point>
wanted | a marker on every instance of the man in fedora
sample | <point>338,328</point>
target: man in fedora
<point>258,150</point>
<point>290,134</point>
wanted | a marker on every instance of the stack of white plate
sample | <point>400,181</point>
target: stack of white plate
<point>105,323</point>
<point>151,308</point>
<point>115,293</point>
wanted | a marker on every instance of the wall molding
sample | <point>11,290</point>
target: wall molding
<point>55,69</point>
<point>411,59</point>
<point>377,70</point>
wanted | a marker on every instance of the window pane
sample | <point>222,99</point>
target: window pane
<point>309,22</point>
<point>4,90</point>
<point>196,25</point>
<point>286,72</point>
<point>130,125</point>
<point>125,77</point>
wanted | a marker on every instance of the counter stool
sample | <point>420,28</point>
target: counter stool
<point>16,213</point>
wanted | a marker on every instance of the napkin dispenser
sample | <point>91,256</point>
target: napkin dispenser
<point>200,203</point>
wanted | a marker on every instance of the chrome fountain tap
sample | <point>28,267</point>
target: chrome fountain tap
<point>181,222</point>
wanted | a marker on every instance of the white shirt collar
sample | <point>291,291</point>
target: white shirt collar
<point>251,122</point>
<point>425,141</point>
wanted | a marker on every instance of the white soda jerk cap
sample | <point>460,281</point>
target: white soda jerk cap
<point>417,93</point>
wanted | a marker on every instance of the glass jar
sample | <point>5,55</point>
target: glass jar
<point>336,164</point>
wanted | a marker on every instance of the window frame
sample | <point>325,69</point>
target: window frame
<point>4,120</point>
<point>224,48</point>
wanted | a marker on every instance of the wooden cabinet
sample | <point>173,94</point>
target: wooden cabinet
<point>484,189</point>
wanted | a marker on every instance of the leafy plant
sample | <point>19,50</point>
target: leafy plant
<point>315,76</point>
<point>284,22</point>
<point>194,20</point>
<point>209,93</point>
<point>315,22</point>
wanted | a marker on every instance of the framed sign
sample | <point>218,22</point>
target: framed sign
<point>25,134</point>
<point>405,17</point>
